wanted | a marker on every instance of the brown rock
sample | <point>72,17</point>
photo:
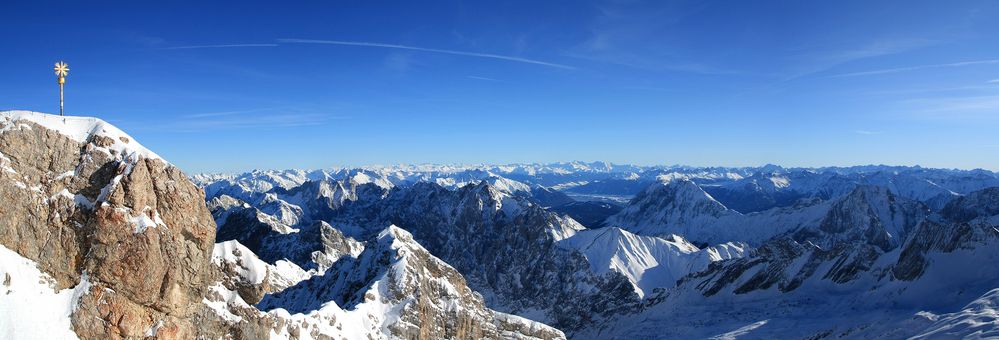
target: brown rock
<point>72,207</point>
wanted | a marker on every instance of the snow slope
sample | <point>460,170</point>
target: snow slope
<point>979,319</point>
<point>29,307</point>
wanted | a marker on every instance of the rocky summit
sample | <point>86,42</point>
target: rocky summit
<point>106,219</point>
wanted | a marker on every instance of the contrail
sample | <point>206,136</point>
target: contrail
<point>424,49</point>
<point>920,67</point>
<point>218,46</point>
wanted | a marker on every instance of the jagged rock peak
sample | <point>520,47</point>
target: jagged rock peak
<point>870,214</point>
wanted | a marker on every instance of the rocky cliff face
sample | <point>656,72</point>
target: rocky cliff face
<point>94,209</point>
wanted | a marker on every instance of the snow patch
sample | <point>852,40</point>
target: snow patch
<point>29,307</point>
<point>147,218</point>
<point>739,332</point>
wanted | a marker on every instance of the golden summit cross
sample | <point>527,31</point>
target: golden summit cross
<point>61,70</point>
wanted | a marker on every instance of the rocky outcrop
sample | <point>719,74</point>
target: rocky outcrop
<point>785,264</point>
<point>86,202</point>
<point>855,232</point>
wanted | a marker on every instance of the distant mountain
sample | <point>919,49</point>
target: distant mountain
<point>681,207</point>
<point>745,190</point>
<point>547,198</point>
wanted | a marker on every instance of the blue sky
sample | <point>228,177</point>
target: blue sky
<point>230,87</point>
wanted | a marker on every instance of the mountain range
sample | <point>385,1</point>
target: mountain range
<point>105,239</point>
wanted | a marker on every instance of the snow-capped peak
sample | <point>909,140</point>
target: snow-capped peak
<point>678,203</point>
<point>648,262</point>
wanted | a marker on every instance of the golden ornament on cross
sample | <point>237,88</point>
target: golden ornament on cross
<point>61,70</point>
